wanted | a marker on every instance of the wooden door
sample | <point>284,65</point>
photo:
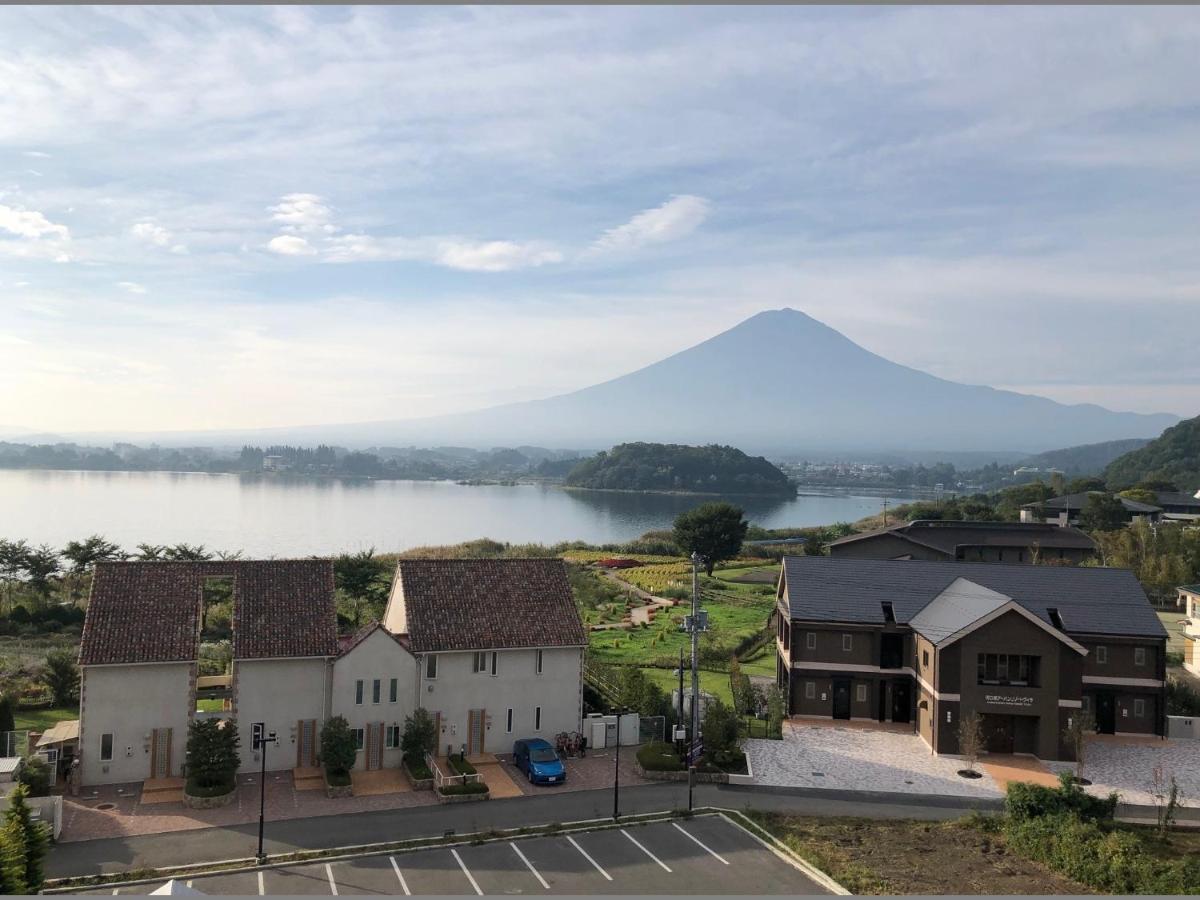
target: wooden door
<point>475,732</point>
<point>306,743</point>
<point>373,741</point>
<point>160,753</point>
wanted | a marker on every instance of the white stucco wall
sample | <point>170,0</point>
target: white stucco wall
<point>457,690</point>
<point>279,693</point>
<point>377,657</point>
<point>129,702</point>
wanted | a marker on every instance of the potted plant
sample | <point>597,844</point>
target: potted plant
<point>212,763</point>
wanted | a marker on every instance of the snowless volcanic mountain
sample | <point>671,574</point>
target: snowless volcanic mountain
<point>780,381</point>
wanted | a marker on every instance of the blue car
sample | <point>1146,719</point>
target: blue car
<point>537,759</point>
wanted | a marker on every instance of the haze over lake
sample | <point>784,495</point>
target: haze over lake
<point>279,516</point>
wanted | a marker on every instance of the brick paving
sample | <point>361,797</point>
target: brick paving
<point>1126,765</point>
<point>589,773</point>
<point>846,757</point>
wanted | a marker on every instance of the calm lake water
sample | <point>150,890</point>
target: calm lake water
<point>274,516</point>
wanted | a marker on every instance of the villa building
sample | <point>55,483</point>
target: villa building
<point>1189,599</point>
<point>947,540</point>
<point>1066,510</point>
<point>493,648</point>
<point>922,643</point>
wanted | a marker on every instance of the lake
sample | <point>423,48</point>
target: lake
<point>280,516</point>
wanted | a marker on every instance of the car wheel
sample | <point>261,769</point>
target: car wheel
<point>529,775</point>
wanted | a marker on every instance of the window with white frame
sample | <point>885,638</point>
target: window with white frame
<point>810,640</point>
<point>847,642</point>
<point>431,666</point>
<point>480,662</point>
<point>1139,707</point>
<point>393,690</point>
<point>508,721</point>
<point>375,691</point>
<point>391,737</point>
<point>1139,656</point>
<point>862,693</point>
<point>359,738</point>
<point>537,718</point>
<point>106,747</point>
<point>1101,655</point>
<point>538,663</point>
<point>358,692</point>
<point>810,690</point>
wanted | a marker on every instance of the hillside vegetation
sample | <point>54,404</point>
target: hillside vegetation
<point>712,469</point>
<point>1086,459</point>
<point>1173,456</point>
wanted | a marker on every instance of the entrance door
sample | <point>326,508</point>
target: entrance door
<point>841,698</point>
<point>475,731</point>
<point>306,743</point>
<point>901,701</point>
<point>374,745</point>
<point>998,734</point>
<point>1106,712</point>
<point>160,753</point>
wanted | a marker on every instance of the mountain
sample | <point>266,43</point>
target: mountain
<point>779,382</point>
<point>1172,456</point>
<point>1088,459</point>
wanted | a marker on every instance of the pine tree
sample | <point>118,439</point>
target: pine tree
<point>33,838</point>
<point>12,859</point>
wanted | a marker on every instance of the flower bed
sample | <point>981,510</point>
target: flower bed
<point>418,774</point>
<point>338,785</point>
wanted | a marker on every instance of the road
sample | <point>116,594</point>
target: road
<point>110,855</point>
<point>703,855</point>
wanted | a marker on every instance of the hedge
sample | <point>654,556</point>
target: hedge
<point>416,766</point>
<point>1029,801</point>
<point>659,757</point>
<point>461,765</point>
<point>471,787</point>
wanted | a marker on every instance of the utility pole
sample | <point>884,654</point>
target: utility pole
<point>885,512</point>
<point>695,623</point>
<point>261,738</point>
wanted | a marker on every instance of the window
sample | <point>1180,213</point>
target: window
<point>925,658</point>
<point>1101,655</point>
<point>537,718</point>
<point>539,662</point>
<point>847,642</point>
<point>393,690</point>
<point>106,744</point>
<point>480,662</point>
<point>431,666</point>
<point>495,661</point>
<point>1009,668</point>
<point>1139,707</point>
<point>375,691</point>
<point>810,640</point>
<point>359,738</point>
<point>1139,656</point>
<point>810,690</point>
<point>508,722</point>
<point>391,737</point>
<point>889,612</point>
<point>358,692</point>
<point>862,693</point>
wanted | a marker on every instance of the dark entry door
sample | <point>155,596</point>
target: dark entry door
<point>841,698</point>
<point>998,734</point>
<point>1106,712</point>
<point>901,701</point>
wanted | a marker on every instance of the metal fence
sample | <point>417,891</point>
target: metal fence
<point>14,743</point>
<point>652,728</point>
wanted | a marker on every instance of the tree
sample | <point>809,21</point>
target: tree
<point>420,734</point>
<point>19,816</point>
<point>714,530</point>
<point>212,756</point>
<point>36,775</point>
<point>1079,728</point>
<point>720,731</point>
<point>83,555</point>
<point>339,750</point>
<point>1102,512</point>
<point>12,859</point>
<point>42,564</point>
<point>12,563</point>
<point>361,578</point>
<point>61,675</point>
<point>1140,495</point>
<point>970,738</point>
<point>1085,485</point>
<point>7,714</point>
<point>776,708</point>
<point>187,553</point>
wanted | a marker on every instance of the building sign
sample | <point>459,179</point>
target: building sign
<point>1008,700</point>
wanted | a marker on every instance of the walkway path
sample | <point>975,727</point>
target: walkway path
<point>638,614</point>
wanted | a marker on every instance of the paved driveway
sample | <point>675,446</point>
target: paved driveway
<point>1126,765</point>
<point>855,759</point>
<point>704,855</point>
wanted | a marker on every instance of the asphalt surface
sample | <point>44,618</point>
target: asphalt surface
<point>177,848</point>
<point>702,855</point>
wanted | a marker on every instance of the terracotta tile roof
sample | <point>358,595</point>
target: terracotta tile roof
<point>484,604</point>
<point>143,612</point>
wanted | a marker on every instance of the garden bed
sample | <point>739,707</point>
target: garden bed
<point>463,793</point>
<point>338,786</point>
<point>418,775</point>
<point>196,797</point>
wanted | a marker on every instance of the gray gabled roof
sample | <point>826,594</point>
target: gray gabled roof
<point>961,604</point>
<point>1091,600</point>
<point>947,535</point>
<point>1079,501</point>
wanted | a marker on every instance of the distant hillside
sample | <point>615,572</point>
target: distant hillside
<point>674,467</point>
<point>1086,459</point>
<point>1173,456</point>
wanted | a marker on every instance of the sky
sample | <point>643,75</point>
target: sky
<point>235,217</point>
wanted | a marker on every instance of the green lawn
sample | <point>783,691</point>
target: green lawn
<point>715,683</point>
<point>1170,621</point>
<point>41,719</point>
<point>762,664</point>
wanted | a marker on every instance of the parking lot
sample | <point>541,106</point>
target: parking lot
<point>701,855</point>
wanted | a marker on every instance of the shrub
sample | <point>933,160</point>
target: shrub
<point>36,775</point>
<point>726,760</point>
<point>1031,801</point>
<point>420,735</point>
<point>719,729</point>
<point>659,757</point>
<point>339,751</point>
<point>471,787</point>
<point>416,767</point>
<point>461,765</point>
<point>212,757</point>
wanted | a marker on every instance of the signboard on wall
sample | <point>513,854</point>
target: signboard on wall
<point>1019,701</point>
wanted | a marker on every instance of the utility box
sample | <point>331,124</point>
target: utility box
<point>629,729</point>
<point>601,731</point>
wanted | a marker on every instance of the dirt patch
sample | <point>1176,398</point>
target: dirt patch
<point>901,857</point>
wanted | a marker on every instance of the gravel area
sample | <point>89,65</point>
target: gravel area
<point>1127,767</point>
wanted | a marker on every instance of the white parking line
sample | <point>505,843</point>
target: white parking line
<point>639,845</point>
<point>189,882</point>
<point>700,843</point>
<point>403,883</point>
<point>116,891</point>
<point>262,890</point>
<point>471,878</point>
<point>525,859</point>
<point>332,883</point>
<point>588,858</point>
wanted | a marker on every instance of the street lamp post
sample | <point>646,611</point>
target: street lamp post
<point>617,769</point>
<point>261,739</point>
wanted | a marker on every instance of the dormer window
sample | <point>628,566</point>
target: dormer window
<point>1055,618</point>
<point>889,614</point>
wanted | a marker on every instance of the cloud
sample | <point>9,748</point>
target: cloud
<point>151,233</point>
<point>290,245</point>
<point>31,224</point>
<point>678,217</point>
<point>132,286</point>
<point>36,154</point>
<point>303,212</point>
<point>452,253</point>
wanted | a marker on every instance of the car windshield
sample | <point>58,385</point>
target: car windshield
<point>543,754</point>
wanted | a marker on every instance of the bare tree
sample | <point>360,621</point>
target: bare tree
<point>1079,728</point>
<point>970,738</point>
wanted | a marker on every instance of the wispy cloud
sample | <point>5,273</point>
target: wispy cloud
<point>132,286</point>
<point>29,223</point>
<point>677,218</point>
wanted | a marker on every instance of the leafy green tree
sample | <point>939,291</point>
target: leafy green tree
<point>715,530</point>
<point>36,775</point>
<point>7,714</point>
<point>420,734</point>
<point>83,555</point>
<point>212,755</point>
<point>12,859</point>
<point>61,675</point>
<point>776,708</point>
<point>719,729</point>
<point>1085,485</point>
<point>339,750</point>
<point>1102,512</point>
<point>36,841</point>
<point>12,564</point>
<point>41,564</point>
<point>362,579</point>
<point>188,553</point>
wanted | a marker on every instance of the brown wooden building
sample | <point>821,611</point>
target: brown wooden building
<point>1027,647</point>
<point>952,540</point>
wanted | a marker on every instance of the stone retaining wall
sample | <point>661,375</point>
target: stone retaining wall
<point>208,802</point>
<point>701,777</point>
<point>462,798</point>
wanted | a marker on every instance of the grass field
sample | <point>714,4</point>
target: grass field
<point>715,683</point>
<point>41,719</point>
